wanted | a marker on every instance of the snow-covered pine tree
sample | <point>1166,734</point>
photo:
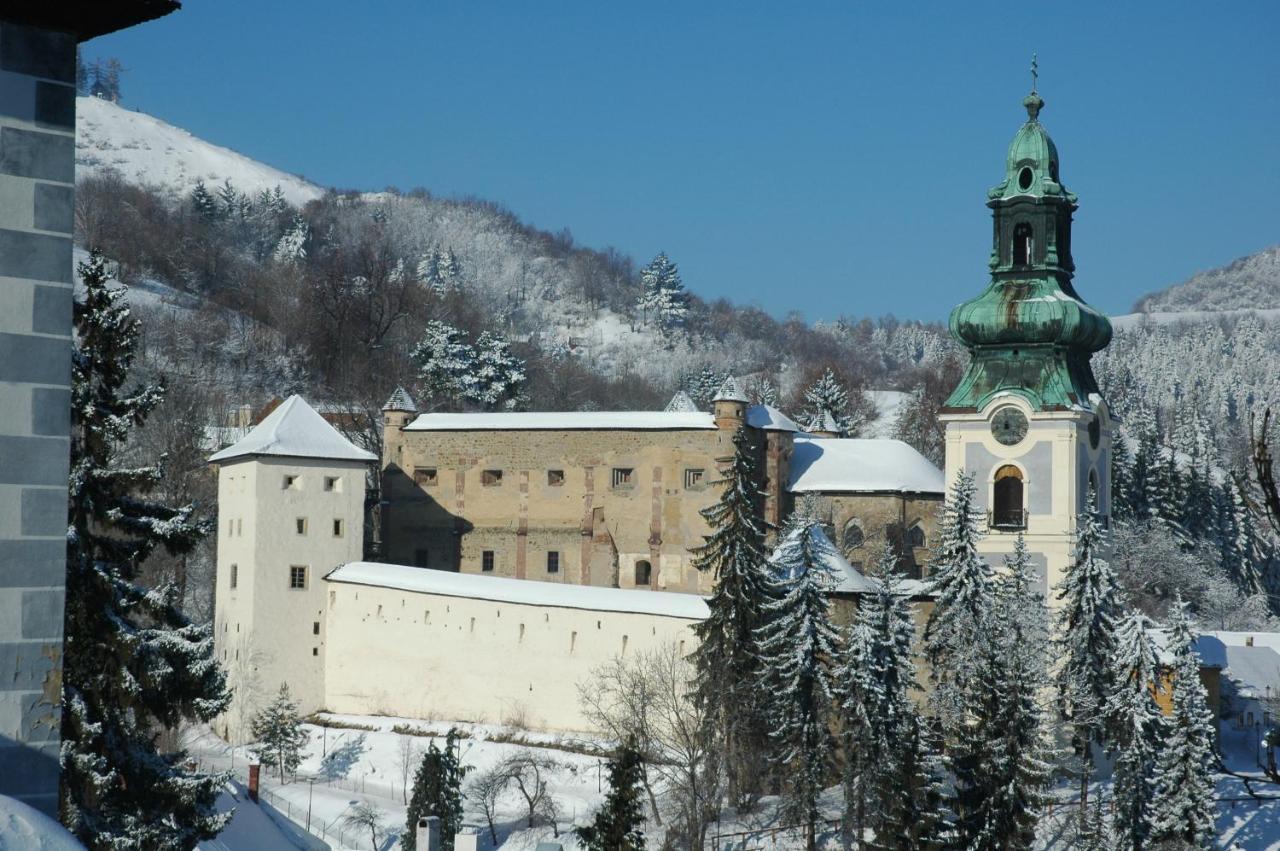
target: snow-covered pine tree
<point>727,660</point>
<point>203,202</point>
<point>827,396</point>
<point>618,825</point>
<point>437,791</point>
<point>278,731</point>
<point>662,295</point>
<point>1124,505</point>
<point>797,646</point>
<point>1086,625</point>
<point>498,376</point>
<point>1137,727</point>
<point>892,773</point>
<point>961,583</point>
<point>1184,809</point>
<point>292,247</point>
<point>703,384</point>
<point>446,363</point>
<point>764,393</point>
<point>133,664</point>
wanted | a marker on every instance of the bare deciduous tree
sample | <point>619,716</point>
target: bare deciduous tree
<point>485,790</point>
<point>367,817</point>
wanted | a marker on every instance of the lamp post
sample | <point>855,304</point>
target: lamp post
<point>311,787</point>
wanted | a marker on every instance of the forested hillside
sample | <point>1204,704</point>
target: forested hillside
<point>1249,283</point>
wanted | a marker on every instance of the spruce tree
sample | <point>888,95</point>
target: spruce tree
<point>278,730</point>
<point>446,362</point>
<point>1085,643</point>
<point>1184,809</point>
<point>961,584</point>
<point>498,376</point>
<point>133,664</point>
<point>827,397</point>
<point>797,647</point>
<point>1137,727</point>
<point>619,824</point>
<point>437,791</point>
<point>727,660</point>
<point>203,202</point>
<point>662,295</point>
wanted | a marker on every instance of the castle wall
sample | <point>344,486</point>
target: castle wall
<point>599,530</point>
<point>883,517</point>
<point>432,655</point>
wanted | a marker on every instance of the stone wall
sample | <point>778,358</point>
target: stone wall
<point>37,173</point>
<point>908,521</point>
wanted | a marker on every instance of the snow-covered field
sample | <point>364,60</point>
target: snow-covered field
<point>345,766</point>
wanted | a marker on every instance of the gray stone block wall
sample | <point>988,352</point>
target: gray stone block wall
<point>37,173</point>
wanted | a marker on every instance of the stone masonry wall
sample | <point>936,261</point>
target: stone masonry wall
<point>37,174</point>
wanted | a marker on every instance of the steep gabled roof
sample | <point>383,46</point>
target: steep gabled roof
<point>769,418</point>
<point>294,430</point>
<point>400,401</point>
<point>847,465</point>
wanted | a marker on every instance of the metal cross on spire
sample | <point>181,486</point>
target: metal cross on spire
<point>1035,72</point>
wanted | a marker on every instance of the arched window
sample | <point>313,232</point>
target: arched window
<point>643,572</point>
<point>1022,244</point>
<point>915,537</point>
<point>1007,513</point>
<point>854,537</point>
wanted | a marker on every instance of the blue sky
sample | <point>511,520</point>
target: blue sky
<point>830,158</point>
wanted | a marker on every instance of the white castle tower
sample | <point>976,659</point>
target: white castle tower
<point>291,508</point>
<point>1027,421</point>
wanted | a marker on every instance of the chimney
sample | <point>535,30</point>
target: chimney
<point>428,835</point>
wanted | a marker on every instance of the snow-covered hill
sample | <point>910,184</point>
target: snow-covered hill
<point>148,151</point>
<point>1249,282</point>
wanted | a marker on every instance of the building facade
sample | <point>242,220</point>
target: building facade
<point>1027,420</point>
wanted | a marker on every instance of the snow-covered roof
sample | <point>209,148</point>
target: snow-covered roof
<point>1213,652</point>
<point>295,430</point>
<point>520,591</point>
<point>681,403</point>
<point>730,392</point>
<point>770,418</point>
<point>847,579</point>
<point>565,421</point>
<point>400,401</point>
<point>859,465</point>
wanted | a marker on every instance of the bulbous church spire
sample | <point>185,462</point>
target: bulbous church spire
<point>1029,332</point>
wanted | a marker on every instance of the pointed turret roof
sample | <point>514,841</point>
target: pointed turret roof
<point>400,401</point>
<point>823,423</point>
<point>730,391</point>
<point>294,430</point>
<point>680,403</point>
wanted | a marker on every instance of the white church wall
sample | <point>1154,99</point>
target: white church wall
<point>432,655</point>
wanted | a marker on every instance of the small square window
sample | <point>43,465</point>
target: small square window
<point>693,479</point>
<point>422,558</point>
<point>425,477</point>
<point>486,561</point>
<point>290,482</point>
<point>337,528</point>
<point>332,483</point>
<point>235,575</point>
<point>553,562</point>
<point>300,525</point>
<point>555,478</point>
<point>491,478</point>
<point>298,577</point>
<point>623,477</point>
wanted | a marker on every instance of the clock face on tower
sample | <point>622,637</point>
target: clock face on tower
<point>1009,426</point>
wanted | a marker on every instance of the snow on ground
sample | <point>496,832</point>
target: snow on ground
<point>257,827</point>
<point>1136,320</point>
<point>345,766</point>
<point>888,405</point>
<point>148,151</point>
<point>23,828</point>
<point>147,292</point>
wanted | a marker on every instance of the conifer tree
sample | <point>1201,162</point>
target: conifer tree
<point>961,584</point>
<point>797,647</point>
<point>278,730</point>
<point>619,824</point>
<point>727,660</point>
<point>133,664</point>
<point>763,392</point>
<point>498,376</point>
<point>1085,643</point>
<point>445,363</point>
<point>1137,727</point>
<point>827,397</point>
<point>662,295</point>
<point>1183,810</point>
<point>203,202</point>
<point>437,791</point>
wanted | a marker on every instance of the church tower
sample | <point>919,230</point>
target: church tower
<point>1027,420</point>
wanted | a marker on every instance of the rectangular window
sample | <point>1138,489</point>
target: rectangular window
<point>486,561</point>
<point>315,651</point>
<point>337,528</point>
<point>555,478</point>
<point>491,478</point>
<point>623,477</point>
<point>301,525</point>
<point>290,482</point>
<point>425,476</point>
<point>332,483</point>
<point>235,575</point>
<point>553,562</point>
<point>239,527</point>
<point>315,627</point>
<point>422,558</point>
<point>693,479</point>
<point>298,577</point>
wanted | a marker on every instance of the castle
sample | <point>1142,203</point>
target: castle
<point>524,549</point>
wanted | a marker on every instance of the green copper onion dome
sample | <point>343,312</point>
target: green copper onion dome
<point>1029,332</point>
